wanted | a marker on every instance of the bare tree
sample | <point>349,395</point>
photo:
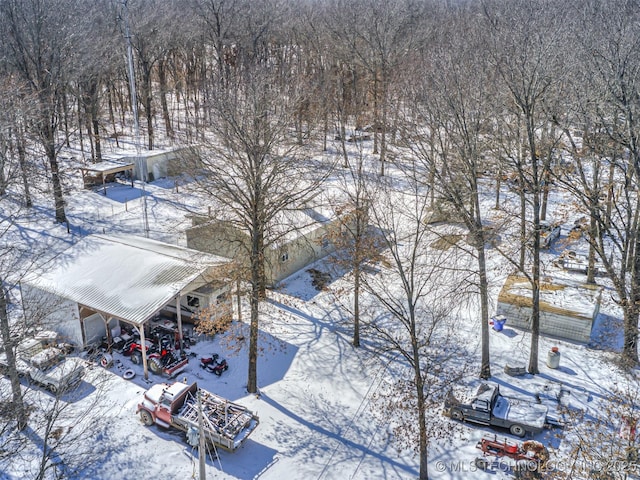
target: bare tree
<point>37,46</point>
<point>355,241</point>
<point>453,106</point>
<point>152,31</point>
<point>8,342</point>
<point>604,442</point>
<point>220,23</point>
<point>254,172</point>
<point>524,39</point>
<point>379,37</point>
<point>615,87</point>
<point>411,314</point>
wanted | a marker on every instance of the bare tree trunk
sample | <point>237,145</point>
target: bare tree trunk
<point>79,115</point>
<point>22,160</point>
<point>356,304</point>
<point>96,138</point>
<point>325,130</point>
<point>149,115</point>
<point>343,144</point>
<point>535,287</point>
<point>5,332</point>
<point>90,135</point>
<point>48,133</point>
<point>65,113</point>
<point>630,348</point>
<point>3,161</point>
<point>61,216</point>
<point>498,185</point>
<point>258,293</point>
<point>610,191</point>
<point>523,227</point>
<point>423,442</point>
<point>593,233</point>
<point>383,123</point>
<point>162,80</point>
<point>375,112</point>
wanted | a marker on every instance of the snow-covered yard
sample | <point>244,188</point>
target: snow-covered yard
<point>317,392</point>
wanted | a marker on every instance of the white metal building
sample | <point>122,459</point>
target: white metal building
<point>567,309</point>
<point>89,288</point>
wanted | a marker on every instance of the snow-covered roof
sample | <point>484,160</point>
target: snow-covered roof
<point>127,277</point>
<point>108,167</point>
<point>293,224</point>
<point>558,295</point>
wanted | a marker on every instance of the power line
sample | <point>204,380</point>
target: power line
<point>363,403</point>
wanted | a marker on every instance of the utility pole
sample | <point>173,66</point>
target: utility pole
<point>134,105</point>
<point>202,455</point>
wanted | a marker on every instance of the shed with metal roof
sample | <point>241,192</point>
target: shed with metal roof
<point>101,280</point>
<point>567,308</point>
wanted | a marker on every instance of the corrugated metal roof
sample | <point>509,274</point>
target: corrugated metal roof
<point>127,277</point>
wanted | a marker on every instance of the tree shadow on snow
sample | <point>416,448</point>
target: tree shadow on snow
<point>249,461</point>
<point>332,437</point>
<point>509,332</point>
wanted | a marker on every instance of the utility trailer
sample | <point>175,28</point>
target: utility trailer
<point>225,424</point>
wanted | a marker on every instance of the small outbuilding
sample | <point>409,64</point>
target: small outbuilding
<point>154,164</point>
<point>567,308</point>
<point>87,290</point>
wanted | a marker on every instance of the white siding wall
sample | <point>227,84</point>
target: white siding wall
<point>52,313</point>
<point>94,328</point>
<point>556,325</point>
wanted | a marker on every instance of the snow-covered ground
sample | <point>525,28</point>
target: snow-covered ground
<point>316,407</point>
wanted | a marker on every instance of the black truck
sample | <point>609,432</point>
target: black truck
<point>488,407</point>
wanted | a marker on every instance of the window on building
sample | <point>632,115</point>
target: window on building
<point>193,301</point>
<point>284,257</point>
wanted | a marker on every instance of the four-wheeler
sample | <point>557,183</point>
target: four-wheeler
<point>213,365</point>
<point>161,357</point>
<point>133,349</point>
<point>166,362</point>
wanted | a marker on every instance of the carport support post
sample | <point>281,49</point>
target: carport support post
<point>179,318</point>
<point>108,331</point>
<point>143,347</point>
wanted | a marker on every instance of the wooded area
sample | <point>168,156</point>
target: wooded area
<point>538,94</point>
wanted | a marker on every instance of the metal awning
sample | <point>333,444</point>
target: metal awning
<point>126,277</point>
<point>107,167</point>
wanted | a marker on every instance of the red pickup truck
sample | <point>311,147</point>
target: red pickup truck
<point>225,424</point>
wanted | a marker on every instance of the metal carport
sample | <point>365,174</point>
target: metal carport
<point>126,278</point>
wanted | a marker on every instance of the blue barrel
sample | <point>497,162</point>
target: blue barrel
<point>498,322</point>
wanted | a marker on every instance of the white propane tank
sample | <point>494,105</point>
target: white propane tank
<point>553,358</point>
